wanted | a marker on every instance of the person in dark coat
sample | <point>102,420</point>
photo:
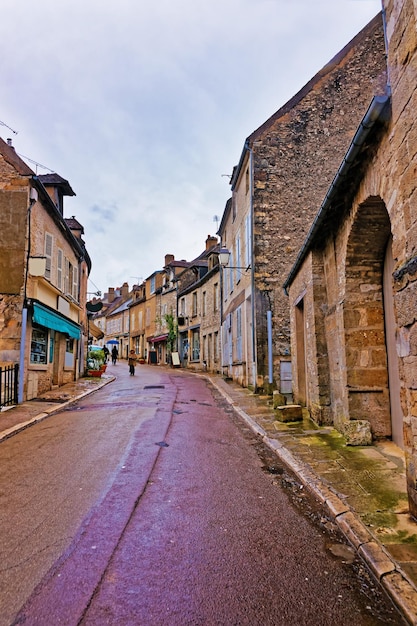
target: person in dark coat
<point>114,355</point>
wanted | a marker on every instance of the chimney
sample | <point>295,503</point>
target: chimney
<point>124,291</point>
<point>9,142</point>
<point>110,295</point>
<point>211,242</point>
<point>168,259</point>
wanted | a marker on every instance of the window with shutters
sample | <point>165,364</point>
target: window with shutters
<point>48,255</point>
<point>75,282</point>
<point>239,334</point>
<point>59,269</point>
<point>238,259</point>
<point>248,242</point>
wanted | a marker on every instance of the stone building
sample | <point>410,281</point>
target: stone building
<point>352,290</point>
<point>199,310</point>
<point>145,316</point>
<point>44,268</point>
<point>284,171</point>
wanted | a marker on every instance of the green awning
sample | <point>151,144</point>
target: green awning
<point>49,319</point>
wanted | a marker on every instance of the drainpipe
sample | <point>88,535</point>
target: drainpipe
<point>270,359</point>
<point>33,199</point>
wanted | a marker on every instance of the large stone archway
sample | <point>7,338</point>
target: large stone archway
<point>367,377</point>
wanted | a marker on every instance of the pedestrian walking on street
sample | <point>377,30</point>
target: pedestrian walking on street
<point>106,353</point>
<point>132,362</point>
<point>114,355</point>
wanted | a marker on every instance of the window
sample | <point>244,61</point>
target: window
<point>59,269</point>
<point>195,345</point>
<point>75,282</point>
<point>247,181</point>
<point>68,277</point>
<point>238,259</point>
<point>48,254</point>
<point>230,271</point>
<point>153,284</point>
<point>38,345</point>
<point>216,297</point>
<point>204,304</point>
<point>182,307</point>
<point>239,334</point>
<point>69,352</point>
<point>51,346</point>
<point>194,303</point>
<point>247,242</point>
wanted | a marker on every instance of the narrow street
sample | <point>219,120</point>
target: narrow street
<point>149,503</point>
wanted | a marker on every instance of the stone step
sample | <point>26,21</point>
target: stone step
<point>289,413</point>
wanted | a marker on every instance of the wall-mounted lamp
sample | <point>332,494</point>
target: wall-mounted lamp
<point>224,257</point>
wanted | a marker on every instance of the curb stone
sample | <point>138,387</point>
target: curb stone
<point>399,588</point>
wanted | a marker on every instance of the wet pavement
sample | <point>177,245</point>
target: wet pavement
<point>363,489</point>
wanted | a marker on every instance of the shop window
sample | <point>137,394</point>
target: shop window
<point>38,346</point>
<point>51,346</point>
<point>69,352</point>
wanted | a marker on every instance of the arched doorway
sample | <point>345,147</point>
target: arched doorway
<point>367,380</point>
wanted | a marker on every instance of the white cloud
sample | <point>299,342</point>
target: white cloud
<point>143,106</point>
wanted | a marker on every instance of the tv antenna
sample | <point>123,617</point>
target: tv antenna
<point>3,124</point>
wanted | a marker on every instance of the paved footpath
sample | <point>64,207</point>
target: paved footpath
<point>362,489</point>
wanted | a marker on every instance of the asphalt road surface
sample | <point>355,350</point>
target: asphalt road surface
<point>149,503</point>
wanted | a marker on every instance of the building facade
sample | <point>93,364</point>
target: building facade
<point>352,291</point>
<point>284,171</point>
<point>44,267</point>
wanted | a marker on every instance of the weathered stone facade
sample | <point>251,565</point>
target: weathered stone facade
<point>288,164</point>
<point>353,291</point>
<point>199,311</point>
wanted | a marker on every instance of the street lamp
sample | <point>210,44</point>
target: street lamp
<point>224,257</point>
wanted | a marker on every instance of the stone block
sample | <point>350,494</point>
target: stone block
<point>289,413</point>
<point>278,399</point>
<point>357,433</point>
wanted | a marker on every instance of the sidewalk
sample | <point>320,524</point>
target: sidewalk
<point>362,489</point>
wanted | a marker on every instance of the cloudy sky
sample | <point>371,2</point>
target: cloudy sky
<point>144,107</point>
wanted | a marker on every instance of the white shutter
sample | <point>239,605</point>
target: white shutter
<point>48,254</point>
<point>59,268</point>
<point>75,282</point>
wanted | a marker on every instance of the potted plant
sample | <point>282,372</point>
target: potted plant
<point>95,361</point>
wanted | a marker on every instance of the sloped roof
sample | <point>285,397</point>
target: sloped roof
<point>56,180</point>
<point>74,224</point>
<point>13,159</point>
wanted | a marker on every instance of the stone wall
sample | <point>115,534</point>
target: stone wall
<point>296,155</point>
<point>361,274</point>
